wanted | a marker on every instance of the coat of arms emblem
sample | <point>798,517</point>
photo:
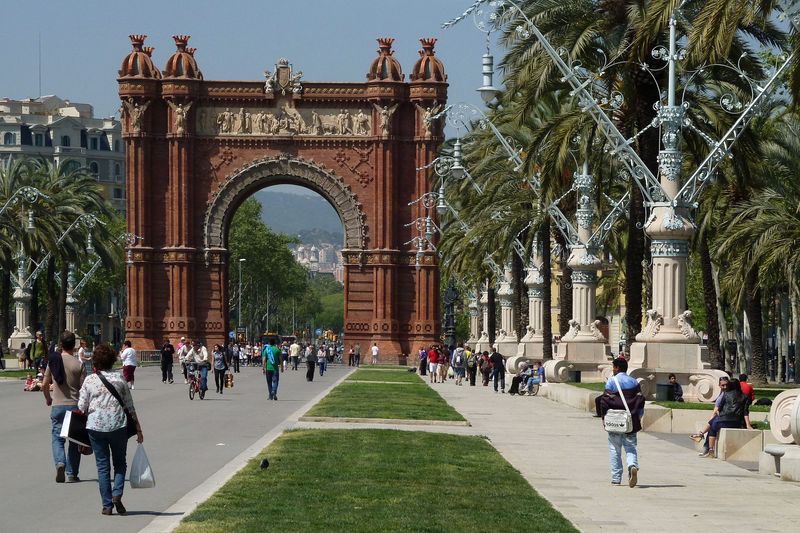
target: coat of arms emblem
<point>283,79</point>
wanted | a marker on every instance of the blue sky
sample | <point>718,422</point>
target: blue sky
<point>84,42</point>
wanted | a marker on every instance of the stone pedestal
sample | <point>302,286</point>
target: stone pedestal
<point>22,311</point>
<point>531,345</point>
<point>482,344</point>
<point>474,321</point>
<point>506,340</point>
<point>783,459</point>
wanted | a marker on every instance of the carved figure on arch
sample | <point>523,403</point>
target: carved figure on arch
<point>180,111</point>
<point>385,117</point>
<point>225,121</point>
<point>362,123</point>
<point>135,114</point>
<point>343,123</point>
<point>428,114</point>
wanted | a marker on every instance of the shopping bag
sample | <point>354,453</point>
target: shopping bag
<point>74,428</point>
<point>142,476</point>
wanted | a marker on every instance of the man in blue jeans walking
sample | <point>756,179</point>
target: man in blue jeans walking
<point>612,399</point>
<point>66,374</point>
<point>498,369</point>
<point>272,367</point>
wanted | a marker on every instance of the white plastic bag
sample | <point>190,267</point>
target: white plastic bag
<point>142,476</point>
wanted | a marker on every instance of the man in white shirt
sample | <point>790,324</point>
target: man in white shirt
<point>294,354</point>
<point>128,357</point>
<point>375,352</point>
<point>199,355</point>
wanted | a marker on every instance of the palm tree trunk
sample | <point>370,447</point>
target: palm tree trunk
<point>5,306</point>
<point>492,310</point>
<point>520,310</point>
<point>722,323</point>
<point>62,297</point>
<point>51,319</point>
<point>35,308</point>
<point>565,287</point>
<point>739,363</point>
<point>755,319</point>
<point>634,275</point>
<point>547,297</point>
<point>710,301</point>
<point>796,334</point>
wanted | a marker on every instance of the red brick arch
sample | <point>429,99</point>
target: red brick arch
<point>197,148</point>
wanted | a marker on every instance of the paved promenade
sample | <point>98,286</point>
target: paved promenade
<point>563,453</point>
<point>187,442</point>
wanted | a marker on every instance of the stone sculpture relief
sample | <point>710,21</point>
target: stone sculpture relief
<point>287,120</point>
<point>428,114</point>
<point>135,114</point>
<point>180,111</point>
<point>385,113</point>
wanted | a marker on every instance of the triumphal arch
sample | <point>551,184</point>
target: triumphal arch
<point>197,148</point>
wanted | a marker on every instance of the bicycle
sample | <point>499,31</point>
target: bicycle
<point>193,375</point>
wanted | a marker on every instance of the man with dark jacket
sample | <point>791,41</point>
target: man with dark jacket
<point>167,352</point>
<point>612,399</point>
<point>498,369</point>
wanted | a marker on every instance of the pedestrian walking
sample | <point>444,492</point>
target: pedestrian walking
<point>129,362</point>
<point>66,374</point>
<point>322,361</point>
<point>182,350</point>
<point>284,357</point>
<point>357,351</point>
<point>167,353</point>
<point>622,392</point>
<point>423,361</point>
<point>235,358</point>
<point>84,357</point>
<point>220,366</point>
<point>294,354</point>
<point>271,367</point>
<point>485,366</point>
<point>458,362</point>
<point>104,399</point>
<point>311,362</point>
<point>351,356</point>
<point>375,352</point>
<point>498,369</point>
<point>472,365</point>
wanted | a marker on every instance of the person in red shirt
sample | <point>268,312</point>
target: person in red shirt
<point>747,389</point>
<point>433,363</point>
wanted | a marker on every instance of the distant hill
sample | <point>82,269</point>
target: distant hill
<point>310,217</point>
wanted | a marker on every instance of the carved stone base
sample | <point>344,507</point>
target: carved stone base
<point>675,356</point>
<point>592,360</point>
<point>699,385</point>
<point>19,337</point>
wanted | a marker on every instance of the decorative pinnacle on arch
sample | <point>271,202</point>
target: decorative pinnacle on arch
<point>427,45</point>
<point>137,41</point>
<point>148,50</point>
<point>181,41</point>
<point>385,45</point>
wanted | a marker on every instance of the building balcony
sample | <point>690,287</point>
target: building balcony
<point>69,150</point>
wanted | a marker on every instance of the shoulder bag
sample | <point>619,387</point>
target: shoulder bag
<point>131,424</point>
<point>617,420</point>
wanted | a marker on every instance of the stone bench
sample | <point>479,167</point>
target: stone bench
<point>782,460</point>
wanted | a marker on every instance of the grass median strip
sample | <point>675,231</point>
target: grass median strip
<point>385,375</point>
<point>376,480</point>
<point>384,400</point>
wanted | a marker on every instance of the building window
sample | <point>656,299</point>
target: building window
<point>94,168</point>
<point>38,139</point>
<point>8,138</point>
<point>117,193</point>
<point>65,140</point>
<point>71,166</point>
<point>116,170</point>
<point>116,145</point>
<point>93,143</point>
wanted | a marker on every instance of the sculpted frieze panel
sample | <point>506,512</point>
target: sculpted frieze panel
<point>284,120</point>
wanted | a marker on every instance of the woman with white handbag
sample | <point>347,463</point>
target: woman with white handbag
<point>621,407</point>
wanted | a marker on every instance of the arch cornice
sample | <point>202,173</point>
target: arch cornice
<point>283,168</point>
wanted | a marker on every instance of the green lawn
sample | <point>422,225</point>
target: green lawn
<point>384,375</point>
<point>379,400</point>
<point>590,386</point>
<point>706,406</point>
<point>16,373</point>
<point>376,480</point>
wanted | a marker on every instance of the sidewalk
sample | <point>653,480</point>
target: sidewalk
<point>563,453</point>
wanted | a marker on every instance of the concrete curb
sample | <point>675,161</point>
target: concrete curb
<point>176,512</point>
<point>384,382</point>
<point>389,421</point>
